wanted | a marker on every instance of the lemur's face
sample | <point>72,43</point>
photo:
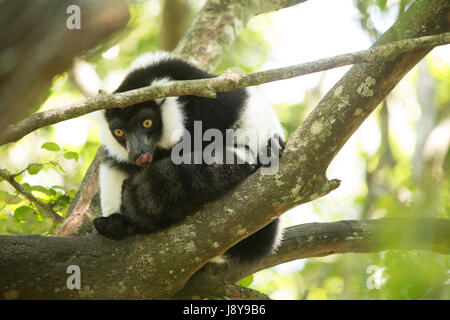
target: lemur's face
<point>137,129</point>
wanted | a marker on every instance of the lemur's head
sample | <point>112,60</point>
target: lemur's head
<point>137,130</point>
<point>133,133</point>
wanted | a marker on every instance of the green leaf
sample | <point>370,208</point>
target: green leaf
<point>4,194</point>
<point>26,186</point>
<point>72,193</point>
<point>23,213</point>
<point>71,155</point>
<point>41,227</point>
<point>9,198</point>
<point>49,192</point>
<point>63,200</point>
<point>35,168</point>
<point>246,281</point>
<point>50,146</point>
<point>382,4</point>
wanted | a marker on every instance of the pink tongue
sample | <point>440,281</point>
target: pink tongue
<point>144,159</point>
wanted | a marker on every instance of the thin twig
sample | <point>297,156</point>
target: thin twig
<point>209,87</point>
<point>13,176</point>
<point>20,189</point>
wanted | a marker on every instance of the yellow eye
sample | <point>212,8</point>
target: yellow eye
<point>118,132</point>
<point>147,123</point>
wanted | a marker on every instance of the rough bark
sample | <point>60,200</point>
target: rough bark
<point>322,239</point>
<point>35,267</point>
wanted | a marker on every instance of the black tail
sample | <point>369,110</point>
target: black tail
<point>260,244</point>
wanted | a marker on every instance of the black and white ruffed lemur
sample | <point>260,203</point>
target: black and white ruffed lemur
<point>142,190</point>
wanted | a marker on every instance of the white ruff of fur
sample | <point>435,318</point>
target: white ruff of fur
<point>172,117</point>
<point>148,59</point>
<point>112,146</point>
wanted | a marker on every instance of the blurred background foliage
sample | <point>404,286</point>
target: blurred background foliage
<point>396,164</point>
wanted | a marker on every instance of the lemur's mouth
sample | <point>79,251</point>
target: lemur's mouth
<point>144,159</point>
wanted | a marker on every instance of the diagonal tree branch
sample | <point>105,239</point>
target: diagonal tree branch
<point>209,87</point>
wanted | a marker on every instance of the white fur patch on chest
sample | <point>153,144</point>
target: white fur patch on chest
<point>111,180</point>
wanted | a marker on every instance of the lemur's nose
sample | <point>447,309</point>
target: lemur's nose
<point>144,159</point>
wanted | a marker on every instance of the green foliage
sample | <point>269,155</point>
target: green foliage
<point>18,214</point>
<point>24,213</point>
<point>382,4</point>
<point>248,53</point>
<point>246,281</point>
<point>71,155</point>
<point>416,275</point>
<point>35,168</point>
<point>51,146</point>
<point>394,191</point>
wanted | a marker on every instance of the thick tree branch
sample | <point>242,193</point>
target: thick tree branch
<point>34,267</point>
<point>211,288</point>
<point>322,239</point>
<point>209,87</point>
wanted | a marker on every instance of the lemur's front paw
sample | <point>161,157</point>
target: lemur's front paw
<point>275,148</point>
<point>281,144</point>
<point>114,226</point>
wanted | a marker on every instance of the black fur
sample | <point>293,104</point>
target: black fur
<point>162,193</point>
